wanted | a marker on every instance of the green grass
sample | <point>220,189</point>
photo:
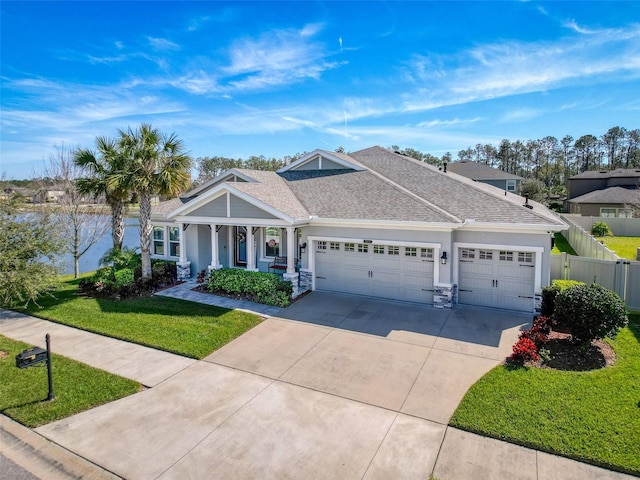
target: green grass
<point>186,328</point>
<point>561,245</point>
<point>625,247</point>
<point>77,387</point>
<point>589,416</point>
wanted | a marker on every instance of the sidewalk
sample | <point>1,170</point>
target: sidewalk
<point>142,364</point>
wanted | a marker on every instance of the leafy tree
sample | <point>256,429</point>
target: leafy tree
<point>534,189</point>
<point>156,164</point>
<point>28,249</point>
<point>102,167</point>
<point>77,229</point>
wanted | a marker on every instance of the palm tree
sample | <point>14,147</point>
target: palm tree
<point>101,167</point>
<point>156,165</point>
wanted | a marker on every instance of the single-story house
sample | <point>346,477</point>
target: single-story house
<point>486,174</point>
<point>373,223</point>
<point>611,202</point>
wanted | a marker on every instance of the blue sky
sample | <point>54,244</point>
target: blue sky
<point>275,78</point>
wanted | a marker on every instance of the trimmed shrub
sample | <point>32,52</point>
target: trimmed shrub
<point>524,350</point>
<point>590,312</point>
<point>549,294</point>
<point>260,287</point>
<point>600,229</point>
<point>124,277</point>
<point>539,332</point>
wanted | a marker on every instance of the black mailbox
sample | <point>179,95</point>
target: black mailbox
<point>30,357</point>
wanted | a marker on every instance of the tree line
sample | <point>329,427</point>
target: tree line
<point>550,160</point>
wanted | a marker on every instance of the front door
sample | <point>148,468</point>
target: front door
<point>240,234</point>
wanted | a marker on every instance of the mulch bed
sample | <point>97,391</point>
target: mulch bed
<point>570,357</point>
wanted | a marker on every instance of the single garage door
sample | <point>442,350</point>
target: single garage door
<point>497,278</point>
<point>375,269</point>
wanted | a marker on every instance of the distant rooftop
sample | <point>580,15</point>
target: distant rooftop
<point>480,171</point>
<point>618,172</point>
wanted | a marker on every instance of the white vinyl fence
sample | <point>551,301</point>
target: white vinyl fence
<point>620,227</point>
<point>622,276</point>
<point>584,244</point>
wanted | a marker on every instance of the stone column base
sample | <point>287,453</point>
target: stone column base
<point>184,270</point>
<point>305,282</point>
<point>537,303</point>
<point>214,267</point>
<point>293,278</point>
<point>443,296</point>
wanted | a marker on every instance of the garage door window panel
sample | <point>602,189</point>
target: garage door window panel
<point>378,249</point>
<point>467,253</point>
<point>334,246</point>
<point>363,248</point>
<point>393,250</point>
<point>506,256</point>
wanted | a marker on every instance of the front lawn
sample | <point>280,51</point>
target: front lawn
<point>77,387</point>
<point>625,247</point>
<point>186,328</point>
<point>589,416</point>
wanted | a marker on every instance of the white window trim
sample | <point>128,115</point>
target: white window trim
<point>514,248</point>
<point>510,183</point>
<point>263,248</point>
<point>166,227</point>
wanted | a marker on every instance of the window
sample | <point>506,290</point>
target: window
<point>174,241</point>
<point>349,247</point>
<point>525,257</point>
<point>506,256</point>
<point>158,241</point>
<point>426,253</point>
<point>271,242</point>
<point>467,253</point>
<point>608,212</point>
<point>410,251</point>
<point>624,213</point>
<point>322,245</point>
<point>485,255</point>
<point>393,250</point>
<point>511,185</point>
<point>379,249</point>
<point>363,248</point>
<point>334,246</point>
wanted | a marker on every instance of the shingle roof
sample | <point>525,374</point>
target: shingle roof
<point>359,195</point>
<point>272,189</point>
<point>454,193</point>
<point>619,172</point>
<point>164,208</point>
<point>480,171</point>
<point>610,195</point>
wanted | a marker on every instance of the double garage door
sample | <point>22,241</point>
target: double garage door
<point>375,269</point>
<point>496,278</point>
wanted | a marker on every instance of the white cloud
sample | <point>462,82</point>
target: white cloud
<point>162,44</point>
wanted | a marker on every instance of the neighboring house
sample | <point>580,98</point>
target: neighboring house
<point>611,202</point>
<point>371,223</point>
<point>610,193</point>
<point>485,174</point>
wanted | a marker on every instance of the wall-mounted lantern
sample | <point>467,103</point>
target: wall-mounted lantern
<point>443,258</point>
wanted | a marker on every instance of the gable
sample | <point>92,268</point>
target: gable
<point>322,160</point>
<point>228,205</point>
<point>320,163</point>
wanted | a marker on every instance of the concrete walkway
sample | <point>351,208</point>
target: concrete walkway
<point>335,387</point>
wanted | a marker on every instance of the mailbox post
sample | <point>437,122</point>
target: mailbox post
<point>35,356</point>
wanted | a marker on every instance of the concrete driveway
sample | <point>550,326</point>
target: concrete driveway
<point>337,387</point>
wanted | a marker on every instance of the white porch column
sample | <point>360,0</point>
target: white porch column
<point>215,260</point>
<point>251,250</point>
<point>183,266</point>
<point>291,275</point>
<point>291,251</point>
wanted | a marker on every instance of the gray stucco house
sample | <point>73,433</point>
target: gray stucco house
<point>486,174</point>
<point>372,223</point>
<point>605,193</point>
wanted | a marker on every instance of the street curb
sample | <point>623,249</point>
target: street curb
<point>43,458</point>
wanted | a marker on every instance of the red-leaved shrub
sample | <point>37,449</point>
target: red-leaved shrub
<point>524,350</point>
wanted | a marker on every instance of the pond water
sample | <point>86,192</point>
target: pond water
<point>91,260</point>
